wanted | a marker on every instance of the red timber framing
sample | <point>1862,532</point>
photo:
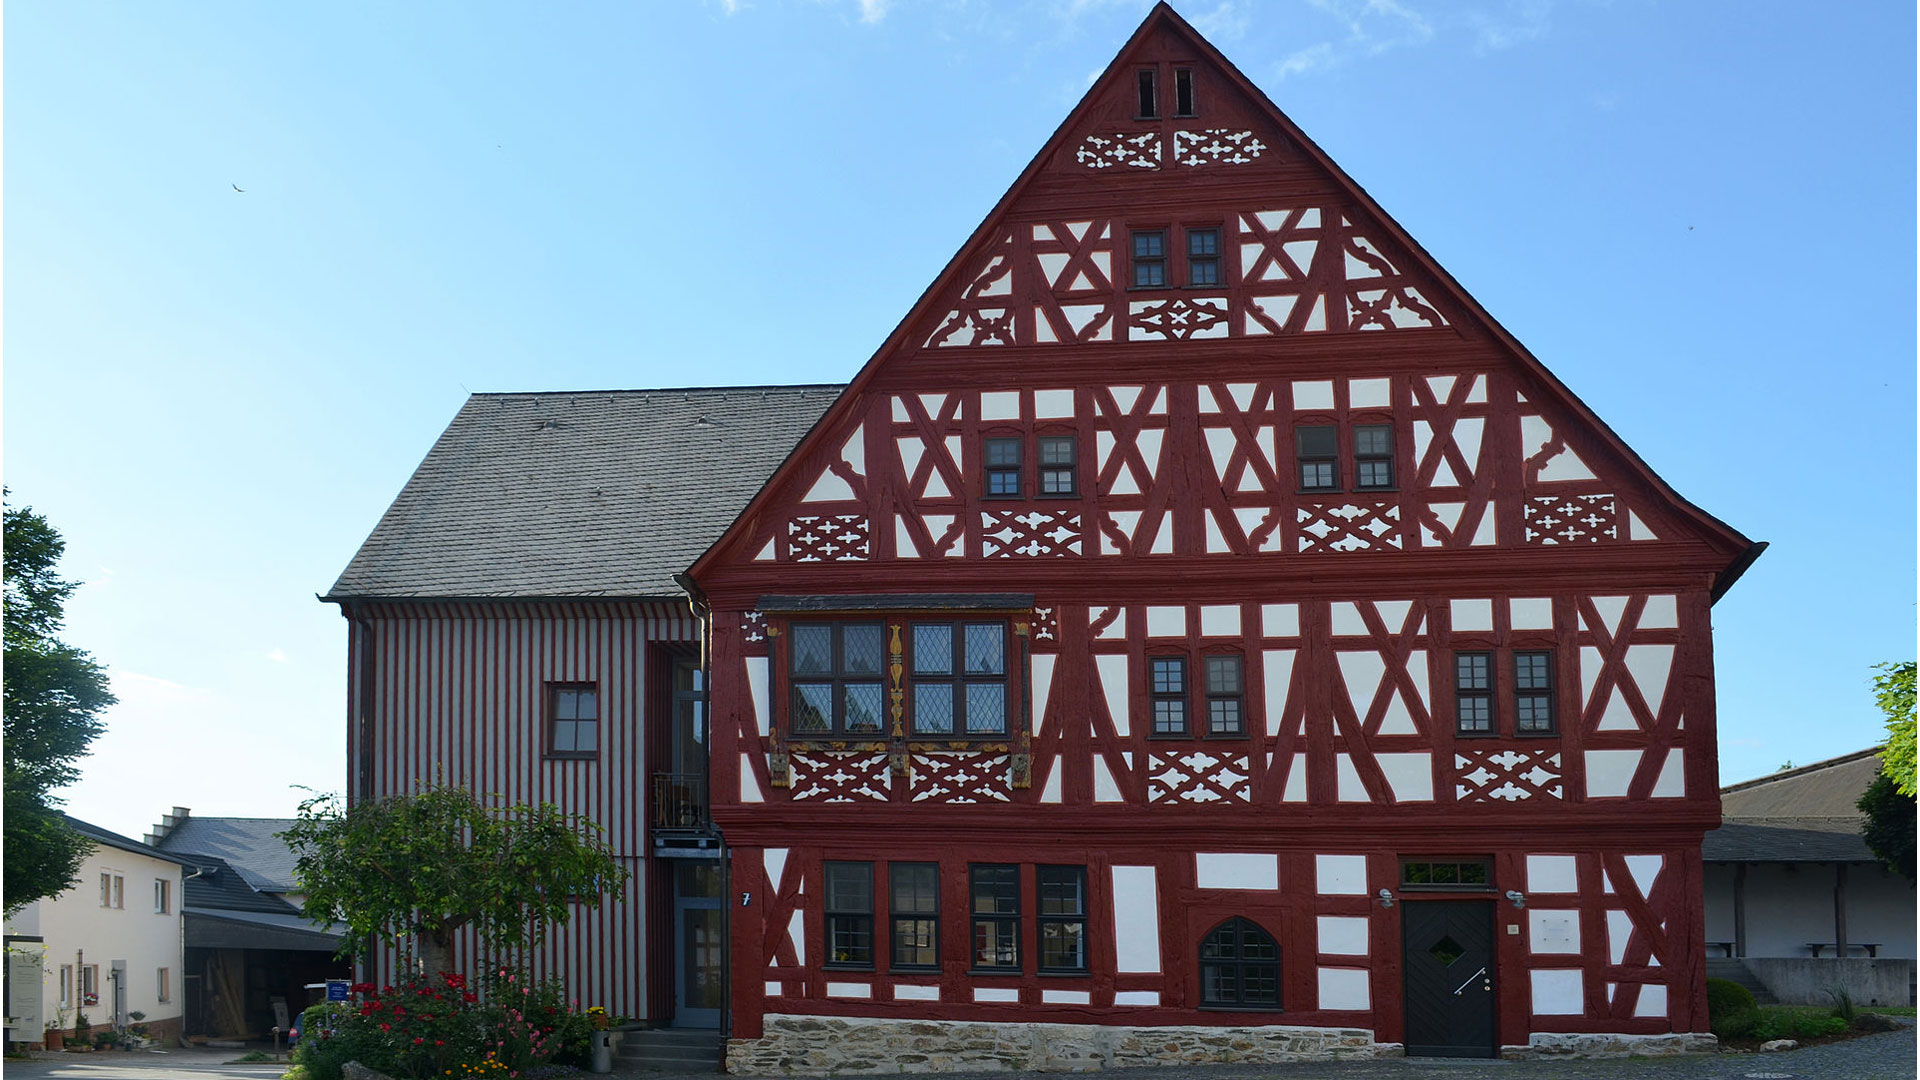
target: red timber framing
<point>1319,464</point>
<point>455,692</point>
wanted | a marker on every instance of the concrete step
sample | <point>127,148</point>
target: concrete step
<point>1733,970</point>
<point>671,1049</point>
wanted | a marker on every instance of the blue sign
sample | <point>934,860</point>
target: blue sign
<point>337,989</point>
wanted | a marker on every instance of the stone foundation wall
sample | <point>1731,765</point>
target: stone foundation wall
<point>1546,1044</point>
<point>818,1045</point>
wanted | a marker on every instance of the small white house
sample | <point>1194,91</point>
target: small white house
<point>110,946</point>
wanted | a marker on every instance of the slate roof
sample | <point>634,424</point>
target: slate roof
<point>605,493</point>
<point>220,885</point>
<point>125,843</point>
<point>248,845</point>
<point>220,929</point>
<point>1799,815</point>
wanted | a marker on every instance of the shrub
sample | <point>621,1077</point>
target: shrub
<point>441,1027</point>
<point>1731,1012</point>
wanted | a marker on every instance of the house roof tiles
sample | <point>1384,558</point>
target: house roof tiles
<point>579,495</point>
<point>1806,814</point>
<point>250,846</point>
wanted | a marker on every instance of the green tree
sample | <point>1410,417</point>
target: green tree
<point>1893,689</point>
<point>1889,828</point>
<point>416,868</point>
<point>54,695</point>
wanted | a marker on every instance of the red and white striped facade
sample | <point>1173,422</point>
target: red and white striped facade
<point>453,693</point>
<point>1518,522</point>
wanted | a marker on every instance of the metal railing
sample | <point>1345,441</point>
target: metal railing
<point>680,803</point>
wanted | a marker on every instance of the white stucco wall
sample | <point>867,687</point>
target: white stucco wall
<point>78,930</point>
<point>1789,906</point>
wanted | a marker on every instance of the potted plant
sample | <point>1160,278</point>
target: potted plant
<point>56,1035</point>
<point>137,1036</point>
<point>82,1032</point>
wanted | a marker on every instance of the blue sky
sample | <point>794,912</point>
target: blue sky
<point>1699,214</point>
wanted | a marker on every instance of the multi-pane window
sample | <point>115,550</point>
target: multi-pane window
<point>163,984</point>
<point>89,984</point>
<point>1239,967</point>
<point>1473,692</point>
<point>834,669</point>
<point>1466,874</point>
<point>1150,260</point>
<point>1003,467</point>
<point>573,718</point>
<point>1058,454</point>
<point>162,896</point>
<point>113,891</point>
<point>1149,99</point>
<point>995,899</point>
<point>1183,92</point>
<point>959,678</point>
<point>915,907</point>
<point>1203,256</point>
<point>1168,691</point>
<point>1319,453</point>
<point>849,911</point>
<point>1063,917</point>
<point>1373,456</point>
<point>1533,693</point>
<point>1226,696</point>
<point>66,984</point>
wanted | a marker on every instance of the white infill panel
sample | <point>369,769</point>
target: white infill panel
<point>1650,666</point>
<point>776,860</point>
<point>1278,672</point>
<point>1349,788</point>
<point>1672,782</point>
<point>1066,997</point>
<point>1042,666</point>
<point>1166,622</point>
<point>797,932</point>
<point>1472,614</point>
<point>1653,1001</point>
<point>1280,620</point>
<point>1113,686</point>
<point>1342,935</point>
<point>1220,620</point>
<point>1610,771</point>
<point>1340,875</point>
<point>1557,992</point>
<point>1619,932</point>
<point>996,994</point>
<point>1136,921</point>
<point>1000,405</point>
<point>1104,789</point>
<point>1137,997</point>
<point>1551,874</point>
<point>1530,613</point>
<point>916,993</point>
<point>1053,404</point>
<point>1661,613</point>
<point>1409,775</point>
<point>1345,990</point>
<point>749,784</point>
<point>849,990</point>
<point>759,687</point>
<point>774,989</point>
<point>1234,870</point>
<point>1553,932</point>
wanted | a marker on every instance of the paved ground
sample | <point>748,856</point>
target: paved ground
<point>1876,1057</point>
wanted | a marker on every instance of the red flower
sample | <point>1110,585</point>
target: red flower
<point>469,997</point>
<point>417,1042</point>
<point>386,1027</point>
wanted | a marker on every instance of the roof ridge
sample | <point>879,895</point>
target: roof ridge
<point>836,387</point>
<point>1803,770</point>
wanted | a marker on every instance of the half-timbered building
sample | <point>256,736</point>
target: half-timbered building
<point>1199,632</point>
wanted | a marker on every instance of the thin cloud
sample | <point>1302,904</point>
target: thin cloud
<point>1523,21</point>
<point>278,656</point>
<point>1371,27</point>
<point>1228,22</point>
<point>872,11</point>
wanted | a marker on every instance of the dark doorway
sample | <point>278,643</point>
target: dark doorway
<point>1449,966</point>
<point>699,951</point>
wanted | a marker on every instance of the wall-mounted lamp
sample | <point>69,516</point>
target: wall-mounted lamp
<point>1386,898</point>
<point>1519,898</point>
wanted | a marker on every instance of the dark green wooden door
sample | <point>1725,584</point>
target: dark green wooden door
<point>1449,966</point>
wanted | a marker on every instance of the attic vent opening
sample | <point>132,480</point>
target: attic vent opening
<point>1149,97</point>
<point>1183,92</point>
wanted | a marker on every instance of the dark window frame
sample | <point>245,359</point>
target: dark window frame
<point>1330,460</point>
<point>1005,923</point>
<point>1536,696</point>
<point>1049,472</point>
<point>957,678</point>
<point>833,914</point>
<point>553,692</point>
<point>1043,918</point>
<point>896,915</point>
<point>1381,459</point>
<point>1183,97</point>
<point>1426,881</point>
<point>991,472</point>
<point>1483,695</point>
<point>1138,262</point>
<point>1146,101</point>
<point>1208,259</point>
<point>838,678</point>
<point>1157,696</point>
<point>1238,695</point>
<point>1241,965</point>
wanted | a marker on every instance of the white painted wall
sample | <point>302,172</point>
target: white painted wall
<point>78,930</point>
<point>1789,906</point>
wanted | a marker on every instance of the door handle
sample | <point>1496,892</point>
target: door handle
<point>1469,982</point>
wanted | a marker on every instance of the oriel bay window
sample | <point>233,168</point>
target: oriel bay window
<point>995,901</point>
<point>849,911</point>
<point>959,678</point>
<point>835,671</point>
<point>915,906</point>
<point>1063,918</point>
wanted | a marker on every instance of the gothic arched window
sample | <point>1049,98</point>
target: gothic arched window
<point>1239,967</point>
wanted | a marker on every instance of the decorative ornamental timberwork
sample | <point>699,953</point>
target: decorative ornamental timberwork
<point>960,777</point>
<point>1216,146</point>
<point>1198,777</point>
<point>1179,319</point>
<point>1029,533</point>
<point>829,538</point>
<point>1506,775</point>
<point>753,627</point>
<point>1349,527</point>
<point>1139,151</point>
<point>1572,519</point>
<point>838,776</point>
<point>1046,624</point>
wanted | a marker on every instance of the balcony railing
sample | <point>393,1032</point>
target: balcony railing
<point>680,803</point>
